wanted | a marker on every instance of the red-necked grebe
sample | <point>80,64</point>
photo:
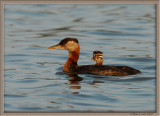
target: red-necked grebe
<point>71,66</point>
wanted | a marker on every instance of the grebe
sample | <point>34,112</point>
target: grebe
<point>71,66</point>
<point>98,57</point>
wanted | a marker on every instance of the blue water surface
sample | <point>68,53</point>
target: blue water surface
<point>34,81</point>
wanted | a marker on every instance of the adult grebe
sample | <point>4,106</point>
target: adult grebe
<point>98,57</point>
<point>71,66</point>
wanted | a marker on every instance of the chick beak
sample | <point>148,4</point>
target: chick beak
<point>55,47</point>
<point>93,59</point>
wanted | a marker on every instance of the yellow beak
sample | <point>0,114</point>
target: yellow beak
<point>55,47</point>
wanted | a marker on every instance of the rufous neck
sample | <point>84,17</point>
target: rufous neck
<point>72,60</point>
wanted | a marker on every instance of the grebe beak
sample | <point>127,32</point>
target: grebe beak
<point>55,47</point>
<point>93,59</point>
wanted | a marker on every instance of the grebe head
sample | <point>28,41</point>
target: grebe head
<point>98,57</point>
<point>69,44</point>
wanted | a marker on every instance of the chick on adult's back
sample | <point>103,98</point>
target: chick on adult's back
<point>71,66</point>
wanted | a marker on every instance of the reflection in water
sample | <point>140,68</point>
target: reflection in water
<point>75,79</point>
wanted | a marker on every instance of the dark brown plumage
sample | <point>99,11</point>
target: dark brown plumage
<point>71,66</point>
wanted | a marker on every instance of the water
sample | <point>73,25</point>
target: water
<point>34,81</point>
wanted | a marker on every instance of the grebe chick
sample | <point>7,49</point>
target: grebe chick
<point>71,66</point>
<point>98,57</point>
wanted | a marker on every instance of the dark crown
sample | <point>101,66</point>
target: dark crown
<point>64,41</point>
<point>97,52</point>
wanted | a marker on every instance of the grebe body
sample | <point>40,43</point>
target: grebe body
<point>71,66</point>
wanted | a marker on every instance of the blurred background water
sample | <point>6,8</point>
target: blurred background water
<point>34,81</point>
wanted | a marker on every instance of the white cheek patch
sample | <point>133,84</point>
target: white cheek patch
<point>101,56</point>
<point>71,45</point>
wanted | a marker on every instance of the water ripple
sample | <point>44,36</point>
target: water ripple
<point>33,76</point>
